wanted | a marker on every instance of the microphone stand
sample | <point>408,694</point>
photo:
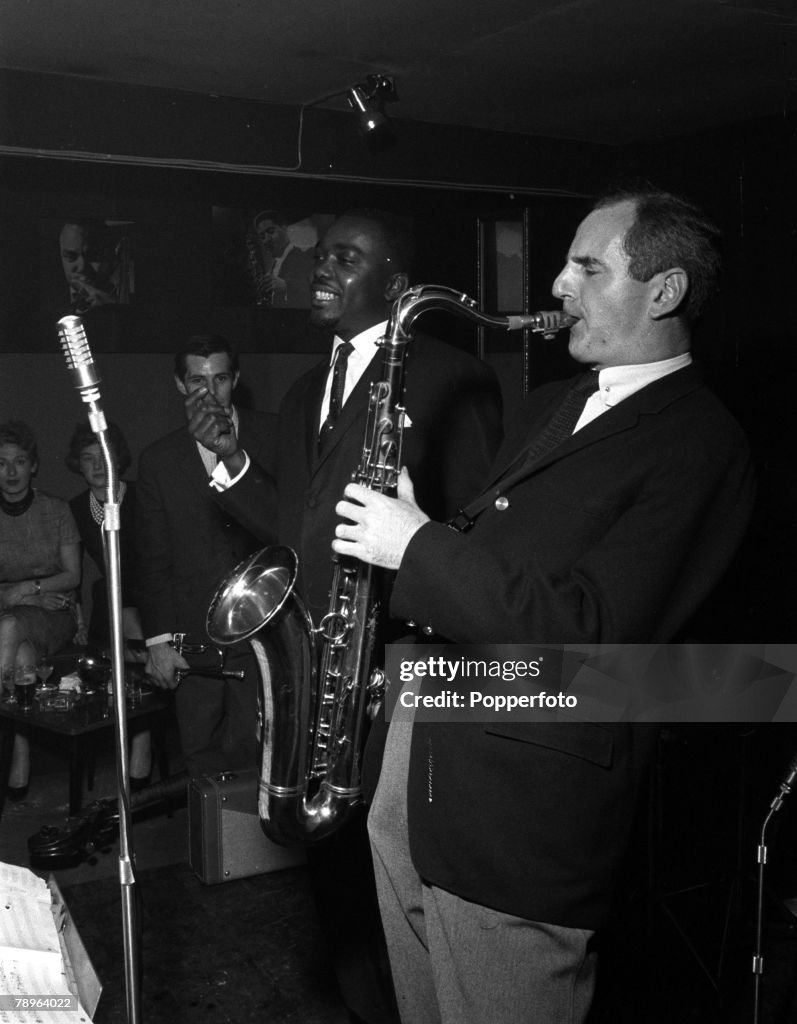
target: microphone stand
<point>111,526</point>
<point>77,352</point>
<point>761,857</point>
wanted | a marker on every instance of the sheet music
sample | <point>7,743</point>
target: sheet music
<point>31,963</point>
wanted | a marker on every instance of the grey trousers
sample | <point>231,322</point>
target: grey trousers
<point>456,962</point>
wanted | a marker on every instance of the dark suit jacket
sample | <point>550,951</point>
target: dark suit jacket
<point>454,404</point>
<point>616,537</point>
<point>186,542</point>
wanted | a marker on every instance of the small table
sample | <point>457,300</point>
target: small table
<point>90,714</point>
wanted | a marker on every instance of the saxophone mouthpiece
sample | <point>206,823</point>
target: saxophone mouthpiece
<point>547,323</point>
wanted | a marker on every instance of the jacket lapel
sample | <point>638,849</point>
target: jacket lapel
<point>625,416</point>
<point>190,465</point>
<point>311,411</point>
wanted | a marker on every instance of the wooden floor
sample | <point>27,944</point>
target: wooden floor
<point>246,950</point>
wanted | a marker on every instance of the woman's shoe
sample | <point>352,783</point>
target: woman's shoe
<point>17,793</point>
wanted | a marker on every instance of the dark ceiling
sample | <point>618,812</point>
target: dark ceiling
<point>609,71</point>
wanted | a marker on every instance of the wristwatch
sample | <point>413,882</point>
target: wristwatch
<point>38,585</point>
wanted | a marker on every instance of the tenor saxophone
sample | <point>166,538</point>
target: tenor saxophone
<point>321,684</point>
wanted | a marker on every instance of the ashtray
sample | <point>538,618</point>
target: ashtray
<point>57,700</point>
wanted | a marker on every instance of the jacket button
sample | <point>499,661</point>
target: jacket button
<point>502,503</point>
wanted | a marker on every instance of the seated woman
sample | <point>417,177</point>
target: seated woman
<point>85,457</point>
<point>39,573</point>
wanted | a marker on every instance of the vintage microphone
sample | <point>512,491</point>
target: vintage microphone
<point>784,788</point>
<point>85,378</point>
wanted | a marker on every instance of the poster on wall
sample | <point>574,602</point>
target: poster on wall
<point>85,263</point>
<point>502,263</point>
<point>265,256</point>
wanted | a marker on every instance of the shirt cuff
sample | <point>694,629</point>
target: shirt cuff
<point>164,638</point>
<point>220,478</point>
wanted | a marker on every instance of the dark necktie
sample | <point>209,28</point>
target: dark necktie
<point>337,387</point>
<point>561,424</point>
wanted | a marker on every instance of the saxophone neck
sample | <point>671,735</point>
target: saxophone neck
<point>416,300</point>
<point>420,298</point>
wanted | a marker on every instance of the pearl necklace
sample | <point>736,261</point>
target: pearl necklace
<point>97,509</point>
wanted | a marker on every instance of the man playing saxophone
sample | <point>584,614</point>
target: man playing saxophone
<point>451,430</point>
<point>498,851</point>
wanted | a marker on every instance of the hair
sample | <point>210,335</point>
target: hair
<point>203,345</point>
<point>397,232</point>
<point>19,433</point>
<point>669,231</point>
<point>83,437</point>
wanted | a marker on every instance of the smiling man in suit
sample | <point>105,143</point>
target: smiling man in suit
<point>452,429</point>
<point>187,543</point>
<point>498,848</point>
<point>452,425</point>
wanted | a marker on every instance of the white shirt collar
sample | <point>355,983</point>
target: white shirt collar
<point>616,383</point>
<point>364,347</point>
<point>364,343</point>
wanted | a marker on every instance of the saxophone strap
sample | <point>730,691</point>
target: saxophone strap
<point>466,517</point>
<point>558,430</point>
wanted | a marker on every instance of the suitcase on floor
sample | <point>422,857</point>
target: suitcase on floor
<point>225,837</point>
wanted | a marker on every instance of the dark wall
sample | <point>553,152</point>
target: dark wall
<point>76,117</point>
<point>179,282</point>
<point>163,159</point>
<point>744,175</point>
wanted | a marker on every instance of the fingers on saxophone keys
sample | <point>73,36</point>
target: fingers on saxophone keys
<point>356,491</point>
<point>346,510</point>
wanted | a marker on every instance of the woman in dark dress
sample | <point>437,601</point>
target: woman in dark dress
<point>85,457</point>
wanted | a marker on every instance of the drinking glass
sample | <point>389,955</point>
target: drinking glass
<point>44,669</point>
<point>26,687</point>
<point>9,685</point>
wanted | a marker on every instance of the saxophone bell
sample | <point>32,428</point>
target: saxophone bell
<point>252,595</point>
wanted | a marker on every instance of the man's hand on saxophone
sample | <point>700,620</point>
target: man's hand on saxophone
<point>380,528</point>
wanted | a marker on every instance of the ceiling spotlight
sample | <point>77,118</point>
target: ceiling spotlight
<point>368,99</point>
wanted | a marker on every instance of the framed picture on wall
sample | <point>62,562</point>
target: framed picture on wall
<point>85,263</point>
<point>265,256</point>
